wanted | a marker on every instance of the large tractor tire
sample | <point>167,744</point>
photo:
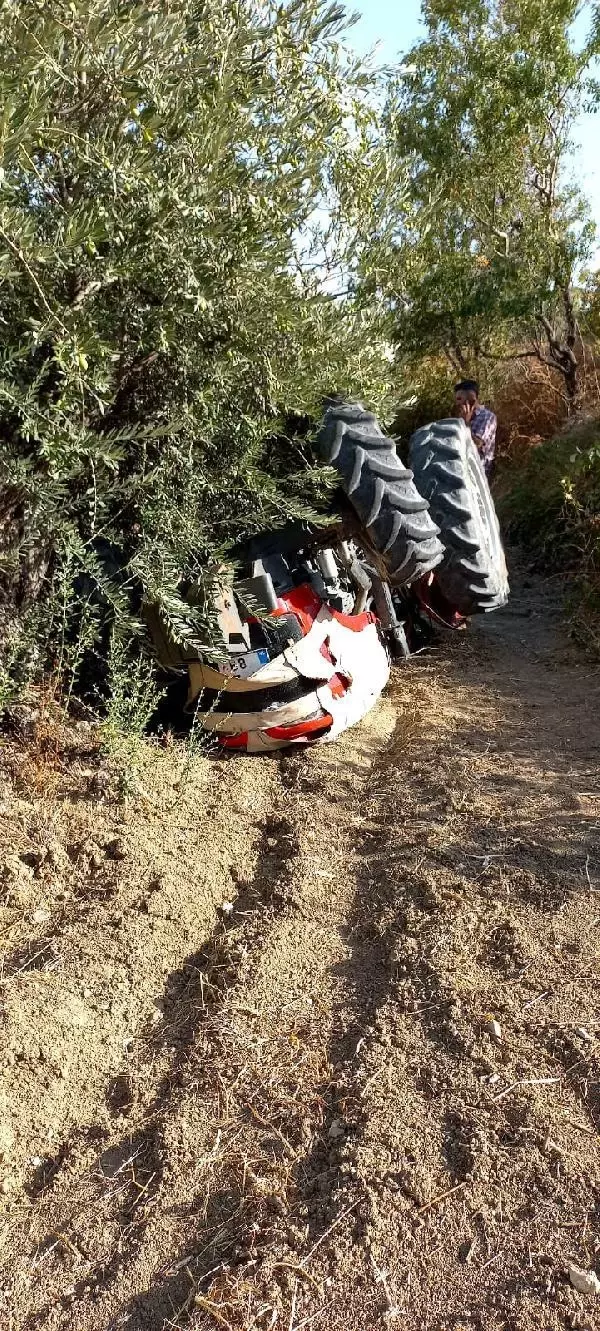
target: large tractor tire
<point>450,475</point>
<point>381,491</point>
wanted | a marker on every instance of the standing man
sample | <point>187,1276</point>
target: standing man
<point>481,421</point>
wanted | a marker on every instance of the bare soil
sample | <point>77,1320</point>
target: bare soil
<point>312,1041</point>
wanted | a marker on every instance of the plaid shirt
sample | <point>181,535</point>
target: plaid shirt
<point>483,427</point>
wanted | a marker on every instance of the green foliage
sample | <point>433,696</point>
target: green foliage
<point>133,697</point>
<point>22,657</point>
<point>482,110</point>
<point>590,306</point>
<point>163,314</point>
<point>551,504</point>
<point>552,500</point>
<point>206,225</point>
<point>431,396</point>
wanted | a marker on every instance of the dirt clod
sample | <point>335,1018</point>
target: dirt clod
<point>493,1029</point>
<point>585,1282</point>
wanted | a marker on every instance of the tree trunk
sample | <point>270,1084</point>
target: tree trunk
<point>24,562</point>
<point>562,354</point>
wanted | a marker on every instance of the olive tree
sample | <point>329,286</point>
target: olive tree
<point>483,109</point>
<point>175,182</point>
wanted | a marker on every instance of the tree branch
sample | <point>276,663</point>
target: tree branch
<point>18,253</point>
<point>563,354</point>
<point>513,355</point>
<point>495,231</point>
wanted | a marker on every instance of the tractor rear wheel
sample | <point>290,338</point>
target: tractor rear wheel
<point>382,492</point>
<point>450,475</point>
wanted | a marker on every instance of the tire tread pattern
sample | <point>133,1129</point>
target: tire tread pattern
<point>382,492</point>
<point>449,473</point>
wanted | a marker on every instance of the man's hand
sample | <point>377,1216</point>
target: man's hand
<point>464,412</point>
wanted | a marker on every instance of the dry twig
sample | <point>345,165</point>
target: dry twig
<point>441,1197</point>
<point>329,1231</point>
<point>528,1081</point>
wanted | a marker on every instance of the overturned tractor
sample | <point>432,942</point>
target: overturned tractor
<point>316,615</point>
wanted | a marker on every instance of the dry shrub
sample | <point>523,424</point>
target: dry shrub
<point>529,401</point>
<point>528,397</point>
<point>44,748</point>
<point>531,405</point>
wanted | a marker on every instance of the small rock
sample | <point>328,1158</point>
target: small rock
<point>6,1186</point>
<point>36,1161</point>
<point>337,1129</point>
<point>40,916</point>
<point>15,869</point>
<point>493,1028</point>
<point>585,1035</point>
<point>586,1282</point>
<point>227,907</point>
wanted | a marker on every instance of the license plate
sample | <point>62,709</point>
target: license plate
<point>243,666</point>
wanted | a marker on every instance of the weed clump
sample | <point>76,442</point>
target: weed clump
<point>550,503</point>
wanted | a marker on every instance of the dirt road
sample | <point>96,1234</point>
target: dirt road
<point>315,1041</point>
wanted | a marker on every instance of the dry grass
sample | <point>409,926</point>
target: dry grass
<point>528,398</point>
<point>530,404</point>
<point>46,741</point>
